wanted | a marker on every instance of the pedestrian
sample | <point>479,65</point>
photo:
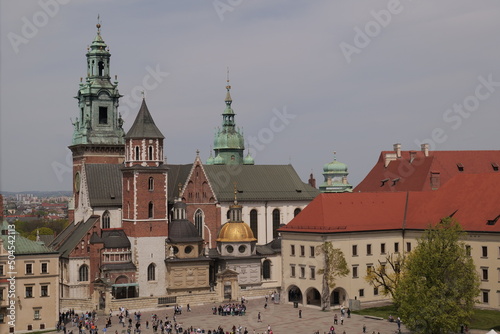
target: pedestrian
<point>341,319</point>
<point>259,319</point>
<point>364,328</point>
<point>300,313</point>
<point>348,312</point>
<point>335,319</point>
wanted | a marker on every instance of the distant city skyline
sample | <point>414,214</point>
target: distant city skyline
<point>308,79</point>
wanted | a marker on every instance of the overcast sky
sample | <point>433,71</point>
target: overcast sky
<point>308,78</point>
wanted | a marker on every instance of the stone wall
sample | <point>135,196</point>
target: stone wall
<point>79,305</point>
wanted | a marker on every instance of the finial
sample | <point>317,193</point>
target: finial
<point>228,86</point>
<point>197,153</point>
<point>180,189</point>
<point>143,96</point>
<point>235,194</point>
<point>98,25</point>
<point>334,156</point>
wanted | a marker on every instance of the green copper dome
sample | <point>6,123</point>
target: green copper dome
<point>229,143</point>
<point>335,166</point>
<point>248,160</point>
<point>219,160</point>
<point>210,160</point>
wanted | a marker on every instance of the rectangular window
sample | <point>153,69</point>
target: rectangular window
<point>292,270</point>
<point>467,250</point>
<point>354,271</point>
<point>44,268</point>
<point>1,270</point>
<point>29,268</point>
<point>375,291</point>
<point>369,249</point>
<point>1,293</point>
<point>36,315</point>
<point>29,292</point>
<point>486,297</point>
<point>369,268</point>
<point>408,246</point>
<point>302,272</point>
<point>484,274</point>
<point>312,251</point>
<point>396,247</point>
<point>361,292</point>
<point>44,291</point>
<point>382,248</point>
<point>485,251</point>
<point>354,250</point>
<point>313,272</point>
<point>103,115</point>
<point>292,250</point>
<point>302,251</point>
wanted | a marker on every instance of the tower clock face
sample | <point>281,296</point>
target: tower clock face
<point>77,182</point>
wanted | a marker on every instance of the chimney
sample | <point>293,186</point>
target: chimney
<point>413,154</point>
<point>425,149</point>
<point>435,180</point>
<point>397,149</point>
<point>312,181</point>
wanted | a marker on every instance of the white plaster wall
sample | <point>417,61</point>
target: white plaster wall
<point>146,250</point>
<point>265,215</point>
<point>114,213</point>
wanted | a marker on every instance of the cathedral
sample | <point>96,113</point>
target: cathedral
<point>149,233</point>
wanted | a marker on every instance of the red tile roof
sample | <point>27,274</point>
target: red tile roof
<point>472,199</point>
<point>403,175</point>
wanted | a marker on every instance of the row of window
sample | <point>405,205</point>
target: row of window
<point>150,155</point>
<point>302,271</point>
<point>312,251</point>
<point>383,248</point>
<point>29,291</point>
<point>29,268</point>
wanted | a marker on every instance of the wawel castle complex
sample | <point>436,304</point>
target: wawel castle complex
<point>145,234</point>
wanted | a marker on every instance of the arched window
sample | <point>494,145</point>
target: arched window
<point>276,222</point>
<point>152,272</point>
<point>253,223</point>
<point>100,65</point>
<point>228,214</point>
<point>266,269</point>
<point>83,273</point>
<point>150,153</point>
<point>198,222</point>
<point>106,219</point>
<point>151,184</point>
<point>150,210</point>
<point>137,153</point>
<point>296,212</point>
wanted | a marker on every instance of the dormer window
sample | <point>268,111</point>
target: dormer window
<point>460,167</point>
<point>494,165</point>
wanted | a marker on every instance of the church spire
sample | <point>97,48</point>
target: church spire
<point>98,121</point>
<point>228,143</point>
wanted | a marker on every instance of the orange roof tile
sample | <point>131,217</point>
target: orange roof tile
<point>472,199</point>
<point>403,175</point>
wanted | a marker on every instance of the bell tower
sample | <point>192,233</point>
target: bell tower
<point>98,135</point>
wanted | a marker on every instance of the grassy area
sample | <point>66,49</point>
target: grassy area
<point>482,319</point>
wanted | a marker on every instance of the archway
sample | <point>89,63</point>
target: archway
<point>294,294</point>
<point>313,297</point>
<point>338,297</point>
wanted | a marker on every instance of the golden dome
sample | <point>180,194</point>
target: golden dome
<point>235,232</point>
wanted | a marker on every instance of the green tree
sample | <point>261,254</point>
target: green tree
<point>41,231</point>
<point>335,266</point>
<point>386,275</point>
<point>438,290</point>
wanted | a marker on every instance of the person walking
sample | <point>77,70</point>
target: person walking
<point>300,314</point>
